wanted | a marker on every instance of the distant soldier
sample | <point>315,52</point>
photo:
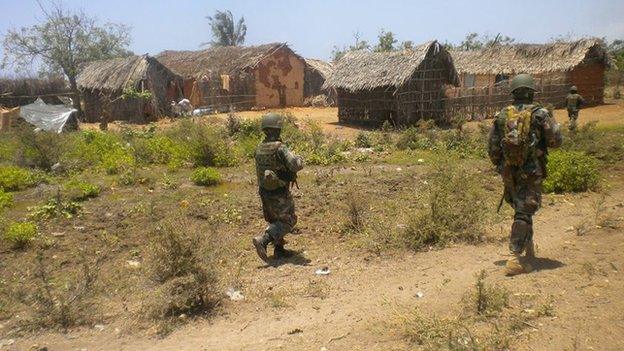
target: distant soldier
<point>574,101</point>
<point>518,146</point>
<point>276,168</point>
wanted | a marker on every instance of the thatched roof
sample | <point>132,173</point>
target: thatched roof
<point>221,59</point>
<point>365,70</point>
<point>115,74</point>
<point>324,68</point>
<point>530,58</point>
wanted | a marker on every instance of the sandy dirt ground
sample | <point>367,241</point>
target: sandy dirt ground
<point>352,308</point>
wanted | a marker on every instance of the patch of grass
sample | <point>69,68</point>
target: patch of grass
<point>363,139</point>
<point>69,301</point>
<point>486,300</point>
<point>571,171</point>
<point>206,176</point>
<point>160,149</point>
<point>355,215</point>
<point>80,191</point>
<point>207,145</point>
<point>6,199</point>
<point>454,209</point>
<point>55,207</point>
<point>20,234</point>
<point>39,149</point>
<point>14,178</point>
<point>277,300</point>
<point>179,263</point>
<point>603,143</point>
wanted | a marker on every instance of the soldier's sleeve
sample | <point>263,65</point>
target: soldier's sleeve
<point>495,152</point>
<point>293,162</point>
<point>550,128</point>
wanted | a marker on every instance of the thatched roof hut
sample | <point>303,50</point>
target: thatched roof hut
<point>105,80</point>
<point>581,63</point>
<point>402,86</point>
<point>531,58</point>
<point>266,75</point>
<point>316,73</point>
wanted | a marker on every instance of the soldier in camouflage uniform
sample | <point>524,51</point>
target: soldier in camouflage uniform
<point>573,103</point>
<point>276,169</point>
<point>522,172</point>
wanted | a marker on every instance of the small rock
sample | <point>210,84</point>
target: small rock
<point>183,316</point>
<point>323,348</point>
<point>58,234</point>
<point>36,347</point>
<point>79,228</point>
<point>99,327</point>
<point>295,331</point>
<point>399,169</point>
<point>420,160</point>
<point>420,294</point>
<point>134,263</point>
<point>235,295</point>
<point>55,166</point>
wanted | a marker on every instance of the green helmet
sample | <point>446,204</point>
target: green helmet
<point>271,120</point>
<point>573,89</point>
<point>522,81</point>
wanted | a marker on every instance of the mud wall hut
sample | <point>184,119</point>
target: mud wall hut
<point>101,82</point>
<point>402,86</point>
<point>270,75</point>
<point>316,73</point>
<point>555,66</point>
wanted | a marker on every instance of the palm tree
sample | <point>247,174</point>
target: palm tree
<point>224,32</point>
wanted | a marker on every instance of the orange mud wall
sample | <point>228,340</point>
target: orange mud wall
<point>589,79</point>
<point>279,80</point>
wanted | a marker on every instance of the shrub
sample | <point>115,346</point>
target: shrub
<point>571,171</point>
<point>206,144</point>
<point>39,149</point>
<point>160,150</point>
<point>363,140</point>
<point>486,300</point>
<point>604,144</point>
<point>206,176</point>
<point>6,199</point>
<point>104,150</point>
<point>20,234</point>
<point>55,207</point>
<point>454,210</point>
<point>233,123</point>
<point>15,178</point>
<point>356,212</point>
<point>178,262</point>
<point>80,191</point>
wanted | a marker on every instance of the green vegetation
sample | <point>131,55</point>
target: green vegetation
<point>571,171</point>
<point>6,199</point>
<point>14,178</point>
<point>454,210</point>
<point>20,234</point>
<point>486,300</point>
<point>81,191</point>
<point>55,207</point>
<point>206,176</point>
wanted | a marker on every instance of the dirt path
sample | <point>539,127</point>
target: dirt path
<point>289,308</point>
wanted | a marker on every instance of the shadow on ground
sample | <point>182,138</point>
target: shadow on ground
<point>538,263</point>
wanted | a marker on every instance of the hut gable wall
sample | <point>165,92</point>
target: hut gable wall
<point>279,80</point>
<point>589,79</point>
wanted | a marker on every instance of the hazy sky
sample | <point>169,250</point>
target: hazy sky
<point>312,28</point>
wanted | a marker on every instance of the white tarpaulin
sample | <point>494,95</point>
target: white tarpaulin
<point>46,117</point>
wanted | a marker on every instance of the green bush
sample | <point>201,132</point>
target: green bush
<point>81,191</point>
<point>206,176</point>
<point>6,199</point>
<point>571,171</point>
<point>55,207</point>
<point>20,234</point>
<point>454,211</point>
<point>363,139</point>
<point>160,149</point>
<point>39,149</point>
<point>15,178</point>
<point>207,145</point>
<point>97,149</point>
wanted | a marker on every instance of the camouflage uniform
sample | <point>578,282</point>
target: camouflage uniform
<point>276,169</point>
<point>523,184</point>
<point>573,104</point>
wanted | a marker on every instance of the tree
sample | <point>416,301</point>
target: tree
<point>338,53</point>
<point>386,41</point>
<point>616,50</point>
<point>475,41</point>
<point>62,42</point>
<point>224,32</point>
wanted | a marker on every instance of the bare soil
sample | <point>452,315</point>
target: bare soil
<point>289,307</point>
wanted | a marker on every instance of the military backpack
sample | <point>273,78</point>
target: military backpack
<point>517,139</point>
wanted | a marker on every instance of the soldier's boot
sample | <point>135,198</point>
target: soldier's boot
<point>517,265</point>
<point>280,251</point>
<point>520,232</point>
<point>260,243</point>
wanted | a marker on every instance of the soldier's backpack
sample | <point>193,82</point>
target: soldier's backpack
<point>517,139</point>
<point>271,172</point>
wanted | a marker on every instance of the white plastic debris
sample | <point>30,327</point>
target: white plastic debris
<point>420,160</point>
<point>420,294</point>
<point>234,295</point>
<point>399,169</point>
<point>99,327</point>
<point>322,271</point>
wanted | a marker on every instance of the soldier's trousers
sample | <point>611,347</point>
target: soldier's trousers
<point>279,212</point>
<point>573,115</point>
<point>526,199</point>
